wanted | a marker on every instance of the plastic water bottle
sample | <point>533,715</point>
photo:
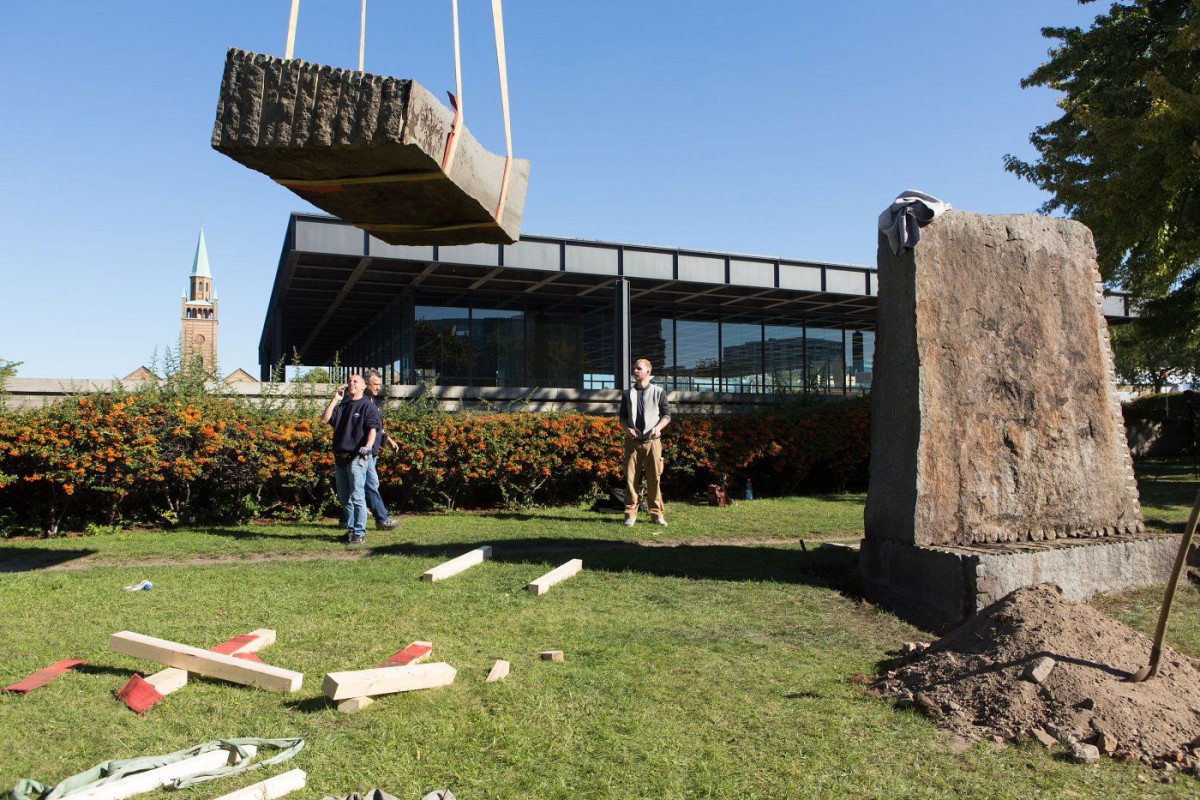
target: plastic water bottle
<point>141,586</point>
<point>749,490</point>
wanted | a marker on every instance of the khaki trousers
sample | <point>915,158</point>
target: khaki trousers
<point>643,458</point>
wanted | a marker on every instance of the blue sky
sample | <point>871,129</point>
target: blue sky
<point>775,128</point>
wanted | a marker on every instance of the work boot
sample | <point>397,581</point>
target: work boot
<point>387,524</point>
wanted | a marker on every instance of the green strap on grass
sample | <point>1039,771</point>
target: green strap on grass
<point>109,771</point>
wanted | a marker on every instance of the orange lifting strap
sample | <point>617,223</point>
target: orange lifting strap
<point>456,102</point>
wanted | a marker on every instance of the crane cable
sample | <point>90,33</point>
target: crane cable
<point>456,99</point>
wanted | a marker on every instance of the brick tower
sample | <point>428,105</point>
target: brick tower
<point>198,326</point>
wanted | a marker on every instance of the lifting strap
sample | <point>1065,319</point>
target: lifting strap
<point>456,102</point>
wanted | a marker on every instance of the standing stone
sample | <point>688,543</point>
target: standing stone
<point>994,414</point>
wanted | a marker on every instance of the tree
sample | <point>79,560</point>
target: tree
<point>315,375</point>
<point>1124,157</point>
<point>1143,356</point>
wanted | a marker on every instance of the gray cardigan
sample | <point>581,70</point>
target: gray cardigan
<point>655,407</point>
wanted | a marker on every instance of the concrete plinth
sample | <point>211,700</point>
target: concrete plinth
<point>939,587</point>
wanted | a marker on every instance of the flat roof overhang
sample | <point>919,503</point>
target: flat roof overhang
<point>334,281</point>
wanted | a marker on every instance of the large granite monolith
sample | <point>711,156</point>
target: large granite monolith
<point>997,441</point>
<point>366,148</point>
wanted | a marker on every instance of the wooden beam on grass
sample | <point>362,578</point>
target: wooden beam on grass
<point>499,671</point>
<point>457,565</point>
<point>173,679</point>
<point>271,788</point>
<point>556,575</point>
<point>205,662</point>
<point>415,653</point>
<point>152,779</point>
<point>551,655</point>
<point>387,680</point>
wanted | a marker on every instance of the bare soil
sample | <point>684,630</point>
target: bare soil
<point>974,682</point>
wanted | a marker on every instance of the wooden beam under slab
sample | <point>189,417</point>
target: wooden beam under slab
<point>457,565</point>
<point>556,575</point>
<point>205,662</point>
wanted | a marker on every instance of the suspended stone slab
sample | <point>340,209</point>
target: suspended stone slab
<point>369,149</point>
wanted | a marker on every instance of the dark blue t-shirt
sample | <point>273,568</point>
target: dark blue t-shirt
<point>351,421</point>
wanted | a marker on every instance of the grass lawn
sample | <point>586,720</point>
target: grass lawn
<point>715,660</point>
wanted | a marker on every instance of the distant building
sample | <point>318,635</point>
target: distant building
<point>142,375</point>
<point>198,325</point>
<point>240,375</point>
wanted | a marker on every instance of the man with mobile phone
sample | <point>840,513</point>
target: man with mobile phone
<point>356,422</point>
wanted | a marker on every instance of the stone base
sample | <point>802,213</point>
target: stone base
<point>939,587</point>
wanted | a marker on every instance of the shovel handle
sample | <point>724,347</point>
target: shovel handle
<point>1185,544</point>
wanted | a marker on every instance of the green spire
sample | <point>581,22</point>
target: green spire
<point>200,262</point>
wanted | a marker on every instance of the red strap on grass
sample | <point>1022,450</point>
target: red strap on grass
<point>43,676</point>
<point>236,643</point>
<point>405,656</point>
<point>138,695</point>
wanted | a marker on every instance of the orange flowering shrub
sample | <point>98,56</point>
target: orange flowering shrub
<point>156,457</point>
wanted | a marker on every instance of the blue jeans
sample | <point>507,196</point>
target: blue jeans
<point>374,500</point>
<point>350,479</point>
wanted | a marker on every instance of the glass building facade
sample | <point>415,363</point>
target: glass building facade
<point>486,343</point>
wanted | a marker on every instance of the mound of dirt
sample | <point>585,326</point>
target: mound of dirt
<point>988,678</point>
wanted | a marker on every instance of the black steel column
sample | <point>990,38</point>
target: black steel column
<point>622,358</point>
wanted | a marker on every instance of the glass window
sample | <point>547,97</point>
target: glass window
<point>783,352</point>
<point>442,344</point>
<point>650,337</point>
<point>553,349</point>
<point>860,359</point>
<point>497,347</point>
<point>741,357</point>
<point>596,348</point>
<point>826,361</point>
<point>696,356</point>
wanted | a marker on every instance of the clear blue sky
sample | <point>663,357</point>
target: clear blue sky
<point>776,128</point>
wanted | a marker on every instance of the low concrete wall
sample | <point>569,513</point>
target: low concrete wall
<point>26,393</point>
<point>938,587</point>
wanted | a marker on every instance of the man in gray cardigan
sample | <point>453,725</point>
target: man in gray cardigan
<point>644,413</point>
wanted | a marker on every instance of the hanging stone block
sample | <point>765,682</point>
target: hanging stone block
<point>368,149</point>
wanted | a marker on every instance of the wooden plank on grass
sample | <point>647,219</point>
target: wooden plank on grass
<point>271,788</point>
<point>152,779</point>
<point>457,565</point>
<point>556,575</point>
<point>172,679</point>
<point>551,655</point>
<point>499,671</point>
<point>387,680</point>
<point>205,662</point>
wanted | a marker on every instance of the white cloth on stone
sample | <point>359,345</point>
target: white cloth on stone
<point>903,219</point>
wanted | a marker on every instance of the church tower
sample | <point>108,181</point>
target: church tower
<point>198,327</point>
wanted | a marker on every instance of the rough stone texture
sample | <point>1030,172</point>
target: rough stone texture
<point>302,121</point>
<point>936,587</point>
<point>994,414</point>
<point>1037,671</point>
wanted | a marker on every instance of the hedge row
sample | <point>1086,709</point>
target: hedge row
<point>156,458</point>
